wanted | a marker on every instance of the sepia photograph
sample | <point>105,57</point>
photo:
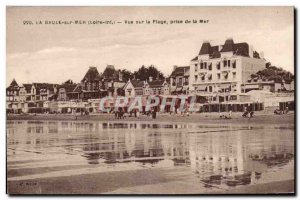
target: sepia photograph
<point>172,100</point>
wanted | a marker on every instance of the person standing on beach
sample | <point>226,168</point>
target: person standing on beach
<point>154,114</point>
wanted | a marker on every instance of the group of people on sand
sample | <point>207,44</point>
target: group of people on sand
<point>223,116</point>
<point>246,114</point>
<point>179,112</point>
<point>281,111</point>
<point>121,114</point>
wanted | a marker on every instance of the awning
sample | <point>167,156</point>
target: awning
<point>201,74</point>
<point>251,87</point>
<point>201,87</point>
<point>179,89</point>
<point>224,86</point>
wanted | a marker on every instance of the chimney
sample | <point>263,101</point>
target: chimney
<point>251,51</point>
<point>174,67</point>
<point>220,47</point>
<point>150,78</point>
<point>261,54</point>
<point>120,76</point>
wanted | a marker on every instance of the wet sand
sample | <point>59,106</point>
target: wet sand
<point>37,168</point>
<point>145,181</point>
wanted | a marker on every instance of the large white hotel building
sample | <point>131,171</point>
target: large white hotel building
<point>223,69</point>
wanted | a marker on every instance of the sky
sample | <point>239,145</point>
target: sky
<point>56,53</point>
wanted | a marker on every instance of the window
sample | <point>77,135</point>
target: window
<point>228,63</point>
<point>233,75</point>
<point>201,65</point>
<point>210,66</point>
<point>225,63</point>
<point>210,88</point>
<point>234,64</point>
<point>203,78</point>
<point>196,78</point>
<point>209,77</point>
<point>226,76</point>
<point>196,67</point>
<point>218,75</point>
<point>218,66</point>
<point>180,81</point>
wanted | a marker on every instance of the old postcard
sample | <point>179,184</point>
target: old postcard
<point>150,100</point>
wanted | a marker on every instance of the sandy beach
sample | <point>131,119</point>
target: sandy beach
<point>201,118</point>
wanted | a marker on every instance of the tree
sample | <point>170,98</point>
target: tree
<point>275,73</point>
<point>143,73</point>
<point>68,82</point>
<point>268,64</point>
<point>127,75</point>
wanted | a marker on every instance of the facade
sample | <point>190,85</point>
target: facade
<point>90,84</point>
<point>30,92</point>
<point>223,69</point>
<point>179,80</point>
<point>38,91</point>
<point>112,81</point>
<point>143,88</point>
<point>156,87</point>
<point>45,91</point>
<point>257,83</point>
<point>95,85</point>
<point>67,92</point>
<point>134,88</point>
<point>25,92</point>
<point>12,91</point>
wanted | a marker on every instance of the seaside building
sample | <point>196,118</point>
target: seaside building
<point>144,88</point>
<point>90,85</point>
<point>31,92</point>
<point>67,91</point>
<point>95,85</point>
<point>134,88</point>
<point>156,87</point>
<point>257,83</point>
<point>112,81</point>
<point>12,91</point>
<point>25,92</point>
<point>179,80</point>
<point>218,72</point>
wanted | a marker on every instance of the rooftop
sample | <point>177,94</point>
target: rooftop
<point>92,74</point>
<point>156,83</point>
<point>241,49</point>
<point>180,71</point>
<point>137,83</point>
